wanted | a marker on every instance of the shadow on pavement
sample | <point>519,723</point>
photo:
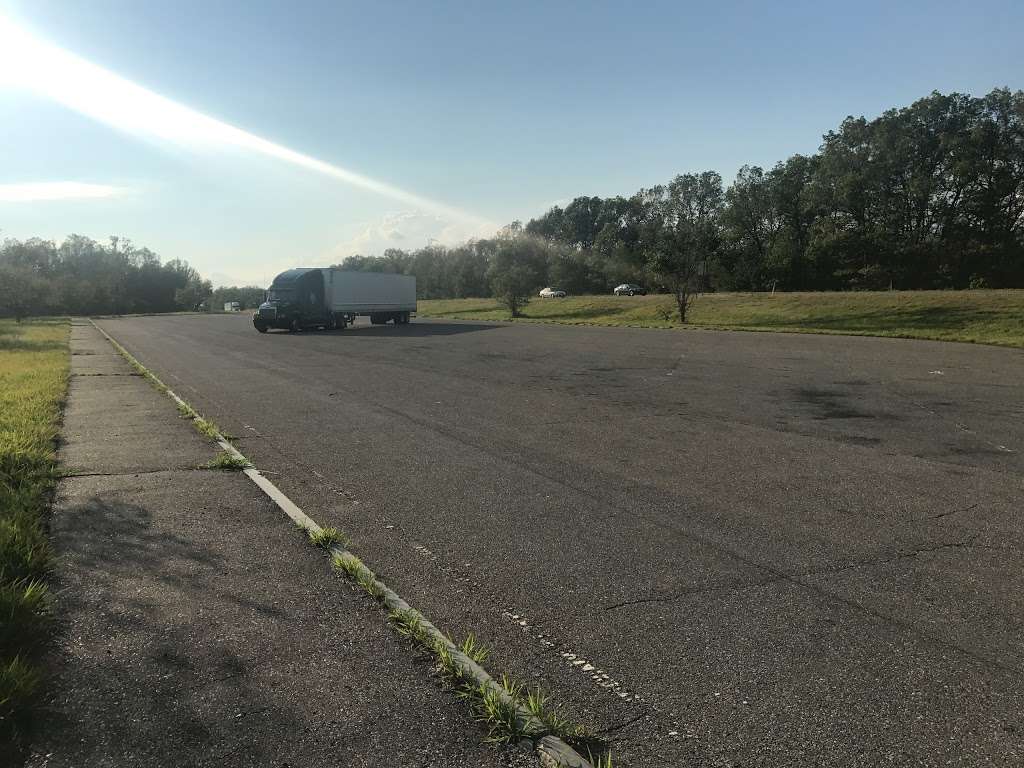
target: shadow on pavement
<point>413,330</point>
<point>177,690</point>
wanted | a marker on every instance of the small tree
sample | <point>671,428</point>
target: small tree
<point>516,271</point>
<point>679,233</point>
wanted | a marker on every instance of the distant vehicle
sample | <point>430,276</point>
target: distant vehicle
<point>629,289</point>
<point>552,293</point>
<point>331,298</point>
<point>232,306</point>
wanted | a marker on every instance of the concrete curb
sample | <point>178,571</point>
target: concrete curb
<point>551,750</point>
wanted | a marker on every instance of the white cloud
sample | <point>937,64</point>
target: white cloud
<point>56,190</point>
<point>407,230</point>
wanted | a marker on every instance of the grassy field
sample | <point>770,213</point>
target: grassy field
<point>984,317</point>
<point>34,365</point>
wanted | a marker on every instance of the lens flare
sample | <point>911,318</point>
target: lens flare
<point>45,69</point>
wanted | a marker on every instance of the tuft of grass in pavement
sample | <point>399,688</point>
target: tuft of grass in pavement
<point>327,537</point>
<point>409,624</point>
<point>205,427</point>
<point>227,462</point>
<point>983,317</point>
<point>498,713</point>
<point>34,361</point>
<point>357,571</point>
<point>474,650</point>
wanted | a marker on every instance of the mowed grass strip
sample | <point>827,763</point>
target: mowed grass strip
<point>983,317</point>
<point>34,362</point>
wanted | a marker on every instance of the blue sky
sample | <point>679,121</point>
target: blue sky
<point>481,113</point>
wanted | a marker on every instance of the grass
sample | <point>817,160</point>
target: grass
<point>34,362</point>
<point>983,317</point>
<point>328,537</point>
<point>227,462</point>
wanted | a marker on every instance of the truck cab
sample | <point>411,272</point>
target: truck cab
<point>295,300</point>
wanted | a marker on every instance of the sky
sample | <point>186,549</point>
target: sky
<point>251,137</point>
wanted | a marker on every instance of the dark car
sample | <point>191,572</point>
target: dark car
<point>629,289</point>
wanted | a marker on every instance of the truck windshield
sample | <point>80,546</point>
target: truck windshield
<point>277,294</point>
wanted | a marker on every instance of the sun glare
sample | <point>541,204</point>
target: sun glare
<point>45,69</point>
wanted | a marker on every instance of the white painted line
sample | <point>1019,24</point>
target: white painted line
<point>287,505</point>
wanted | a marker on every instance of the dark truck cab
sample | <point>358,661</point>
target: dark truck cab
<point>295,301</point>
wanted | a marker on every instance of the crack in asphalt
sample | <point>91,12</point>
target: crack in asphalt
<point>68,475</point>
<point>793,577</point>
<point>951,512</point>
<point>624,723</point>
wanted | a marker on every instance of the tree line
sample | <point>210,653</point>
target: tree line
<point>929,196</point>
<point>925,196</point>
<point>82,276</point>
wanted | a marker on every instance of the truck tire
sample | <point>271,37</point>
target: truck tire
<point>260,327</point>
<point>376,319</point>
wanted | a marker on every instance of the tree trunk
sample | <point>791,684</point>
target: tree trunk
<point>683,302</point>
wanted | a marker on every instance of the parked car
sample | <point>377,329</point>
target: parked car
<point>629,289</point>
<point>552,293</point>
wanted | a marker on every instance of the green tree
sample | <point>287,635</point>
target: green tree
<point>680,233</point>
<point>516,271</point>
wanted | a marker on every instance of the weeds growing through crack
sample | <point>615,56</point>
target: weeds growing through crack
<point>228,462</point>
<point>328,537</point>
<point>499,713</point>
<point>357,571</point>
<point>206,427</point>
<point>474,649</point>
<point>409,623</point>
<point>602,760</point>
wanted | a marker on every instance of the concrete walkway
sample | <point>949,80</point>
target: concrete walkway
<point>198,627</point>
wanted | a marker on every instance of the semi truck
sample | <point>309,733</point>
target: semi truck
<point>331,298</point>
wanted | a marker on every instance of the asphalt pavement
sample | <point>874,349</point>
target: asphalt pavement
<point>198,628</point>
<point>717,549</point>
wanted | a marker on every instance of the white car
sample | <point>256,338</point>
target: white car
<point>629,289</point>
<point>552,293</point>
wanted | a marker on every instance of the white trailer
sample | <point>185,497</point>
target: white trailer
<point>370,293</point>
